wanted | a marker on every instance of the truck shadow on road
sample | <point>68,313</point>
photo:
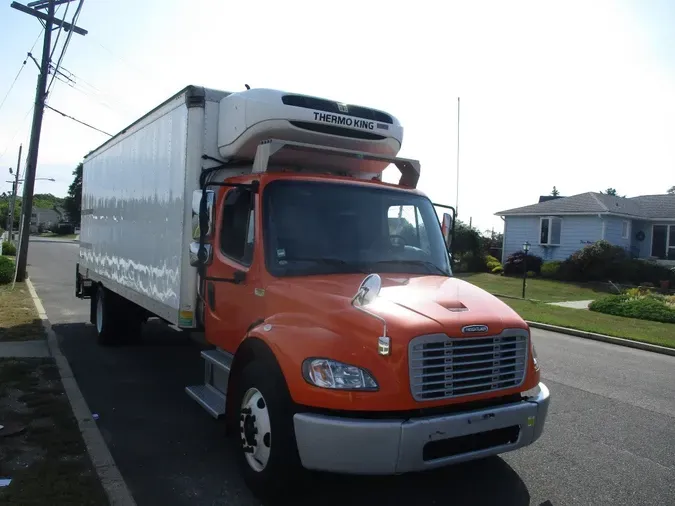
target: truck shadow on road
<point>486,482</point>
<point>171,452</point>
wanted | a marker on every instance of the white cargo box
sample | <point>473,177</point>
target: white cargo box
<point>137,204</point>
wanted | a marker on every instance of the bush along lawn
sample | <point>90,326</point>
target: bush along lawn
<point>8,249</point>
<point>638,304</point>
<point>41,449</point>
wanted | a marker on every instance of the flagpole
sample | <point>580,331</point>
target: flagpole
<point>457,184</point>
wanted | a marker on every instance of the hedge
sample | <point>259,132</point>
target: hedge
<point>8,249</point>
<point>6,270</point>
<point>650,307</point>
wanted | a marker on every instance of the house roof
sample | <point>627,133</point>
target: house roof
<point>645,207</point>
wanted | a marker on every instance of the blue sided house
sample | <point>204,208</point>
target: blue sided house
<point>556,227</point>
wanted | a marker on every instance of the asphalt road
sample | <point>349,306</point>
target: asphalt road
<point>610,436</point>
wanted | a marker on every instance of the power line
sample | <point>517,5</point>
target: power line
<point>58,35</point>
<point>65,45</point>
<point>20,70</point>
<point>74,85</point>
<point>75,119</point>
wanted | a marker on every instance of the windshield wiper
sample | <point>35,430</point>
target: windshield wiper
<point>424,263</point>
<point>319,260</point>
<point>345,265</point>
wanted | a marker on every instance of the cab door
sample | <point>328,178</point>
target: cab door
<point>231,278</point>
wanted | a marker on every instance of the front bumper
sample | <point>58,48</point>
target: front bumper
<point>361,446</point>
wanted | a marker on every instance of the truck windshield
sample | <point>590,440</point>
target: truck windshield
<point>329,228</point>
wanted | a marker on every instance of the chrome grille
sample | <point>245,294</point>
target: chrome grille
<point>442,367</point>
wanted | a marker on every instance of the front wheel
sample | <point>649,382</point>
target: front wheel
<point>266,449</point>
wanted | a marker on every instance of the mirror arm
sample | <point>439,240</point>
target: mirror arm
<point>377,317</point>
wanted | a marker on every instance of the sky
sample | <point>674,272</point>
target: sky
<point>576,94</point>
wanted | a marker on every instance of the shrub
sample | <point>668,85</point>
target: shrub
<point>550,269</point>
<point>595,262</point>
<point>471,263</point>
<point>492,262</point>
<point>8,249</point>
<point>497,269</point>
<point>648,307</point>
<point>6,270</point>
<point>635,293</point>
<point>601,261</point>
<point>63,229</point>
<point>514,264</point>
<point>531,274</point>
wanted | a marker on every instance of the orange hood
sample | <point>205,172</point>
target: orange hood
<point>408,303</point>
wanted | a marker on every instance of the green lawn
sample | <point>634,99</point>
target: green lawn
<point>629,328</point>
<point>539,289</point>
<point>19,320</point>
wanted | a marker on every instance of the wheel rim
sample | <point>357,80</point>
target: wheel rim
<point>255,429</point>
<point>99,313</point>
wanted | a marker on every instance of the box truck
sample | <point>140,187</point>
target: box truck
<point>339,339</point>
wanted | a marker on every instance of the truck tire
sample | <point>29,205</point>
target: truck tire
<point>117,320</point>
<point>266,449</point>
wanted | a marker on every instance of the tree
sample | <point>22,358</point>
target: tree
<point>555,192</point>
<point>671,190</point>
<point>610,191</point>
<point>73,202</point>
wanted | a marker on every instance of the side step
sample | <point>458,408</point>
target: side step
<point>212,394</point>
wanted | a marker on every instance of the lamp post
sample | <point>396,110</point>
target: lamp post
<point>526,248</point>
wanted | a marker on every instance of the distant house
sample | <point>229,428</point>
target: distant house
<point>555,228</point>
<point>45,218</point>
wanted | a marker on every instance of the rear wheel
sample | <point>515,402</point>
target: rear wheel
<point>116,319</point>
<point>266,449</point>
<point>107,325</point>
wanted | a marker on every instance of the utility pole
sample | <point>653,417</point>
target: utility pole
<point>50,22</point>
<point>15,189</point>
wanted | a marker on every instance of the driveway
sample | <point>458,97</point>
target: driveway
<point>610,437</point>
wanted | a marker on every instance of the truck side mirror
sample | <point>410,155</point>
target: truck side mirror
<point>196,205</point>
<point>446,228</point>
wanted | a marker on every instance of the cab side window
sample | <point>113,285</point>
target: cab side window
<point>237,232</point>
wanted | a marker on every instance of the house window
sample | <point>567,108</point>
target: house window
<point>625,229</point>
<point>549,231</point>
<point>663,242</point>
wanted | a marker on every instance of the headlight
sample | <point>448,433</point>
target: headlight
<point>326,373</point>
<point>534,358</point>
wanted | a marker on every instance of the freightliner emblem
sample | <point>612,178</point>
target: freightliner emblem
<point>474,329</point>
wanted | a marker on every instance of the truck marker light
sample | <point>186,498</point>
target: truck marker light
<point>259,292</point>
<point>267,327</point>
<point>383,345</point>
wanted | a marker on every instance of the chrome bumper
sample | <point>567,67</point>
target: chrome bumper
<point>354,446</point>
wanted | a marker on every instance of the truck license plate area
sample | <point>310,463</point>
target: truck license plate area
<point>470,443</point>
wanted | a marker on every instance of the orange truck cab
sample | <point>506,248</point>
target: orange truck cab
<point>340,340</point>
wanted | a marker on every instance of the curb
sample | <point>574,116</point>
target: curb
<point>110,476</point>
<point>514,297</point>
<point>663,350</point>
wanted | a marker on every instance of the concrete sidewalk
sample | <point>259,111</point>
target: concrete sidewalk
<point>574,304</point>
<point>24,349</point>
